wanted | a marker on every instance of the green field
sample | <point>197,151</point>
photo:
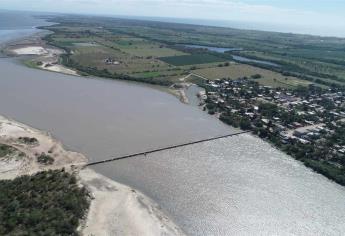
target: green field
<point>191,59</point>
<point>144,48</point>
<point>131,56</point>
<point>235,71</point>
<point>153,52</point>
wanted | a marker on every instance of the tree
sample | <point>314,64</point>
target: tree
<point>256,76</point>
<point>245,124</point>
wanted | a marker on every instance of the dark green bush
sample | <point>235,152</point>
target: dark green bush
<point>45,159</point>
<point>47,203</point>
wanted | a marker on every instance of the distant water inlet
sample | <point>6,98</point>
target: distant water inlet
<point>236,58</point>
<point>245,59</point>
<point>213,49</point>
<point>13,27</point>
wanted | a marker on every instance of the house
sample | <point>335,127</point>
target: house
<point>299,133</point>
<point>110,61</point>
<point>303,141</point>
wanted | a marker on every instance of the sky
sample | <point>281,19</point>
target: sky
<point>324,17</point>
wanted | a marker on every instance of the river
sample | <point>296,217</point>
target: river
<point>14,27</point>
<point>234,186</point>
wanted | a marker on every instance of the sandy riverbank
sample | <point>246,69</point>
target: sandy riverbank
<point>30,50</point>
<point>119,210</point>
<point>115,209</point>
<point>11,131</point>
<point>45,57</point>
<point>179,90</point>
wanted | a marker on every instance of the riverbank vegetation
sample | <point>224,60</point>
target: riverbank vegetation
<point>45,159</point>
<point>47,203</point>
<point>6,150</point>
<point>28,140</point>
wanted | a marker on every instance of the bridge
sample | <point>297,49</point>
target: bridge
<point>163,149</point>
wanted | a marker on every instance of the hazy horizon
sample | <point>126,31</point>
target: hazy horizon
<point>204,22</point>
<point>318,17</point>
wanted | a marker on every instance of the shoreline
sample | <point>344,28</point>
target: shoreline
<point>115,209</point>
<point>132,213</point>
<point>43,57</point>
<point>46,57</point>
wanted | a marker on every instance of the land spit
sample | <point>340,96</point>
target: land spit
<point>115,208</point>
<point>43,56</point>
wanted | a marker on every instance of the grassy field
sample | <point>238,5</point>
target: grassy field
<point>95,57</point>
<point>192,59</point>
<point>144,48</point>
<point>152,51</point>
<point>130,56</point>
<point>235,71</point>
<point>321,57</point>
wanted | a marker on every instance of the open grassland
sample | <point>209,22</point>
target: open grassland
<point>192,59</point>
<point>144,48</point>
<point>152,51</point>
<point>235,71</point>
<point>287,82</point>
<point>103,53</point>
<point>305,55</point>
<point>127,64</point>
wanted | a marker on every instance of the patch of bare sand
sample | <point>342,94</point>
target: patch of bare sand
<point>179,90</point>
<point>119,210</point>
<point>30,50</point>
<point>11,131</point>
<point>47,56</point>
<point>58,68</point>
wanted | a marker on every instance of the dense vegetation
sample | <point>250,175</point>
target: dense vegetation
<point>48,203</point>
<point>6,150</point>
<point>45,159</point>
<point>28,140</point>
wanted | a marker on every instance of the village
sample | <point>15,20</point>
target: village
<point>307,122</point>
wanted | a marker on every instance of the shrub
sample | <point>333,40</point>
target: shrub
<point>45,159</point>
<point>28,140</point>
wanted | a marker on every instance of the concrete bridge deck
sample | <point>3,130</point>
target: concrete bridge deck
<point>164,148</point>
